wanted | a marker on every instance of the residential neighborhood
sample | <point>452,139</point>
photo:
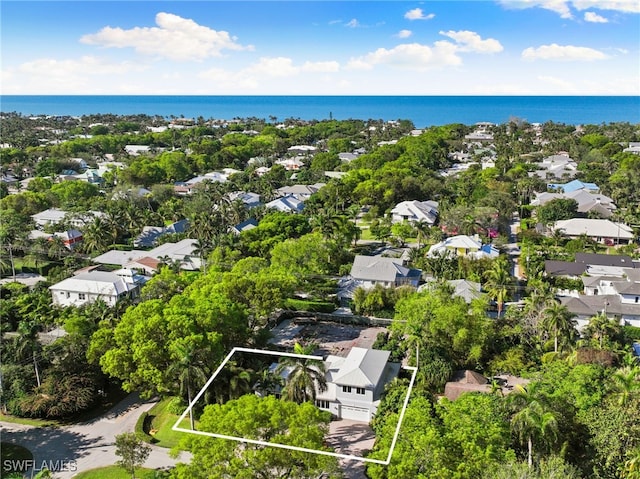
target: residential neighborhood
<point>442,282</point>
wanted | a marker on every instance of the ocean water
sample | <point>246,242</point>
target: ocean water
<point>423,111</point>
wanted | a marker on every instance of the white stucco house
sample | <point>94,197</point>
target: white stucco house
<point>88,287</point>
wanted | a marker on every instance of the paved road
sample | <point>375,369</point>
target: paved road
<point>86,445</point>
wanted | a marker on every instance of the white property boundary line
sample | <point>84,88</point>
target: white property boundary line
<point>285,446</point>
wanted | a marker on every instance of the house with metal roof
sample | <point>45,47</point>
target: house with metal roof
<point>415,212</point>
<point>387,272</point>
<point>88,287</point>
<point>355,383</point>
<point>610,290</point>
<point>573,186</point>
<point>599,230</point>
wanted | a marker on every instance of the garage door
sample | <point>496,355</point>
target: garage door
<point>355,413</point>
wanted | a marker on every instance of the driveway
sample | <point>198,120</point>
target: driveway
<point>353,438</point>
<point>87,445</point>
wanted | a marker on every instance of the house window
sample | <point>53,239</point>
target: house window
<point>637,299</point>
<point>322,404</point>
<point>82,296</point>
<point>359,390</point>
<point>68,294</point>
<point>346,389</point>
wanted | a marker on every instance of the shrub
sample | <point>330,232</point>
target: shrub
<point>310,305</point>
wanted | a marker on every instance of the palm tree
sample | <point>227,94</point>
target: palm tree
<point>28,343</point>
<point>498,282</point>
<point>56,247</point>
<point>96,236</point>
<point>239,381</point>
<point>190,370</point>
<point>306,377</point>
<point>532,420</point>
<point>601,328</point>
<point>625,383</point>
<point>422,230</point>
<point>557,319</point>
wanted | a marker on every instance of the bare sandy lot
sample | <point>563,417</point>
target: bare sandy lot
<point>332,338</point>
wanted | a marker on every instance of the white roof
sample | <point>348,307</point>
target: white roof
<point>53,215</point>
<point>119,257</point>
<point>361,368</point>
<point>379,268</point>
<point>417,210</point>
<point>96,282</point>
<point>286,203</point>
<point>594,228</point>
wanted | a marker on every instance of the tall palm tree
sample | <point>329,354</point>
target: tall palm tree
<point>557,319</point>
<point>28,343</point>
<point>190,371</point>
<point>306,376</point>
<point>498,282</point>
<point>532,420</point>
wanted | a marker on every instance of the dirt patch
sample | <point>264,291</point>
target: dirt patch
<point>333,338</point>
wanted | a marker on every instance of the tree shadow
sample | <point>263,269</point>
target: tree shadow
<point>51,445</point>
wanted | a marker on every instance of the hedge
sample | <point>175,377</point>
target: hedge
<point>310,305</point>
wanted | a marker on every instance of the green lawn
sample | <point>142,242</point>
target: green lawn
<point>161,423</point>
<point>116,472</point>
<point>29,421</point>
<point>12,452</point>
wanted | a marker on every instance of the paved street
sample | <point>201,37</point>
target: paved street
<point>89,444</point>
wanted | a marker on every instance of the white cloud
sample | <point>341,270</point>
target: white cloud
<point>558,6</point>
<point>472,42</point>
<point>418,14</point>
<point>86,65</point>
<point>50,75</point>
<point>625,6</point>
<point>563,7</point>
<point>404,34</point>
<point>353,23</point>
<point>320,67</point>
<point>593,17</point>
<point>175,38</point>
<point>411,56</point>
<point>562,53</point>
<point>266,68</point>
<point>415,56</point>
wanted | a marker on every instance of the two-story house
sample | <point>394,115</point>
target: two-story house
<point>610,290</point>
<point>356,382</point>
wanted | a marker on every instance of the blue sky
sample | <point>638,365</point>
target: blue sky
<point>481,47</point>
